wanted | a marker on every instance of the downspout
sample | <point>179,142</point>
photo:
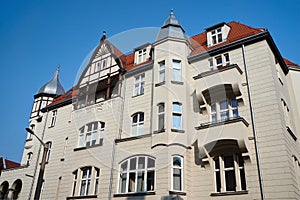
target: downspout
<point>253,126</point>
<point>38,158</point>
<point>152,97</point>
<point>119,137</point>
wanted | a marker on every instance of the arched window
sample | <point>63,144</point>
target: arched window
<point>86,181</point>
<point>17,187</point>
<point>29,157</point>
<point>177,173</point>
<point>4,190</point>
<point>137,125</point>
<point>91,134</point>
<point>49,144</point>
<point>137,174</point>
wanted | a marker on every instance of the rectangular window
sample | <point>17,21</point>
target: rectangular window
<point>81,137</point>
<point>142,56</point>
<point>176,116</point>
<point>211,64</point>
<point>161,116</point>
<point>177,173</point>
<point>161,71</point>
<point>216,36</point>
<point>74,182</point>
<point>139,85</point>
<point>219,61</point>
<point>224,110</point>
<point>53,118</point>
<point>85,181</point>
<point>176,67</point>
<point>227,61</point>
<point>229,173</point>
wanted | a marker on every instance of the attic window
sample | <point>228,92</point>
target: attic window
<point>216,36</point>
<point>141,56</point>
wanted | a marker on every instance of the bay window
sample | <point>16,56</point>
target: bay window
<point>223,110</point>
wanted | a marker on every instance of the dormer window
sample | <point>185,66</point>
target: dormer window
<point>142,56</point>
<point>142,53</point>
<point>216,36</point>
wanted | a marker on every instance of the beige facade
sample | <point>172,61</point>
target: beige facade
<point>185,120</point>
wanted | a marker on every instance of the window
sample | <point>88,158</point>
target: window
<point>139,84</point>
<point>100,65</point>
<point>91,134</point>
<point>29,157</point>
<point>53,118</point>
<point>216,36</point>
<point>176,67</point>
<point>49,144</point>
<point>223,110</point>
<point>137,174</point>
<point>219,61</point>
<point>229,173</point>
<point>161,72</point>
<point>161,116</point>
<point>142,56</point>
<point>176,116</point>
<point>87,178</point>
<point>137,126</point>
<point>286,111</point>
<point>177,173</point>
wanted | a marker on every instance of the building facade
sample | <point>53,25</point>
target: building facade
<point>213,116</point>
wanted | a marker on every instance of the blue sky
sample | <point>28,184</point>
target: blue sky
<point>36,36</point>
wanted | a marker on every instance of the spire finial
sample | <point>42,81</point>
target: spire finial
<point>104,33</point>
<point>58,68</point>
<point>172,11</point>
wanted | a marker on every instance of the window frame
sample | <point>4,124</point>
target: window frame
<point>177,114</point>
<point>128,170</point>
<point>181,169</point>
<point>231,110</point>
<point>238,168</point>
<point>215,36</point>
<point>160,114</point>
<point>49,151</point>
<point>53,118</point>
<point>86,136</point>
<point>176,69</point>
<point>162,71</point>
<point>139,84</point>
<point>138,124</point>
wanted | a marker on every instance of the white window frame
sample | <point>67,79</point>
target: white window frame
<point>87,181</point>
<point>224,58</point>
<point>49,151</point>
<point>216,33</point>
<point>180,168</point>
<point>176,114</point>
<point>53,118</point>
<point>136,171</point>
<point>162,72</point>
<point>138,125</point>
<point>237,169</point>
<point>93,137</point>
<point>141,56</point>
<point>217,112</point>
<point>160,114</point>
<point>176,68</point>
<point>139,84</point>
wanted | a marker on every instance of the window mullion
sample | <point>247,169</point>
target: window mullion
<point>222,174</point>
<point>237,173</point>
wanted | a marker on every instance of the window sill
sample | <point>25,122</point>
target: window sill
<point>177,193</point>
<point>132,138</point>
<point>159,131</point>
<point>177,82</point>
<point>134,194</point>
<point>28,140</point>
<point>216,194</point>
<point>83,197</point>
<point>219,123</point>
<point>89,147</point>
<point>51,126</point>
<point>159,84</point>
<point>137,95</point>
<point>177,130</point>
<point>291,133</point>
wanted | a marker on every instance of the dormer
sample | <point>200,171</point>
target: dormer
<point>217,34</point>
<point>142,53</point>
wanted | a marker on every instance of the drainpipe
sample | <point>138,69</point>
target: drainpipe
<point>38,158</point>
<point>253,126</point>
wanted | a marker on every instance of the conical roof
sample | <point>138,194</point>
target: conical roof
<point>53,86</point>
<point>171,28</point>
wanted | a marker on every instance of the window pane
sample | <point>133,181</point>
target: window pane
<point>141,163</point>
<point>161,107</point>
<point>228,161</point>
<point>132,163</point>
<point>151,162</point>
<point>176,179</point>
<point>177,107</point>
<point>135,118</point>
<point>131,184</point>
<point>219,60</point>
<point>150,180</point>
<point>218,181</point>
<point>124,166</point>
<point>220,37</point>
<point>223,105</point>
<point>134,130</point>
<point>230,180</point>
<point>176,75</point>
<point>82,189</point>
<point>213,108</point>
<point>176,122</point>
<point>214,39</point>
<point>243,179</point>
<point>214,118</point>
<point>217,163</point>
<point>140,129</point>
<point>141,117</point>
<point>123,183</point>
<point>140,182</point>
<point>224,115</point>
<point>234,104</point>
<point>89,127</point>
<point>161,120</point>
<point>177,161</point>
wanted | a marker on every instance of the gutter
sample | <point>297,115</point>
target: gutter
<point>253,126</point>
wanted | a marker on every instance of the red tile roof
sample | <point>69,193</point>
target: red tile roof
<point>290,63</point>
<point>237,31</point>
<point>199,43</point>
<point>8,164</point>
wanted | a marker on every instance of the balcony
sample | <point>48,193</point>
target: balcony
<point>225,81</point>
<point>231,131</point>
